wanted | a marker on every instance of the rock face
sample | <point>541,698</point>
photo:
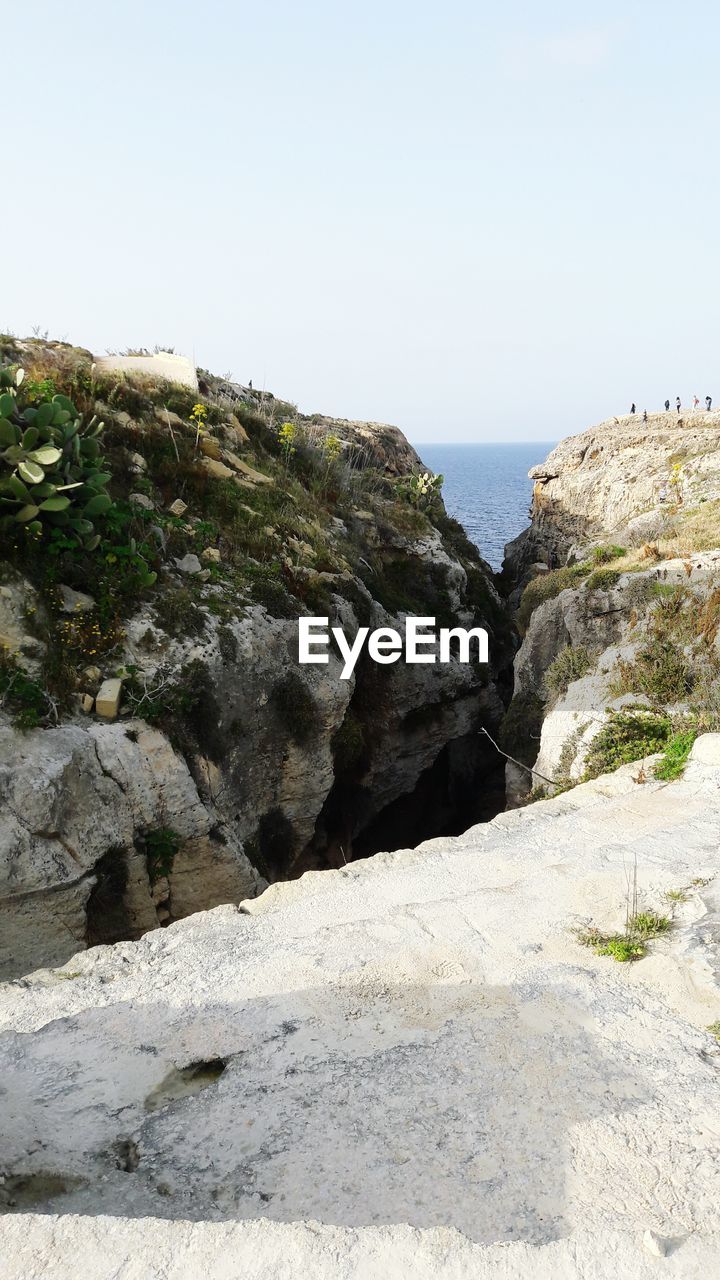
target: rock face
<point>286,767</point>
<point>79,804</point>
<point>619,627</point>
<point>409,1066</point>
<point>615,478</point>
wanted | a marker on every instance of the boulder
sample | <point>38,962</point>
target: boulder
<point>74,601</point>
<point>217,469</point>
<point>189,564</point>
<point>142,500</point>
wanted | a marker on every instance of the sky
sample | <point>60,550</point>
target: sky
<point>481,222</point>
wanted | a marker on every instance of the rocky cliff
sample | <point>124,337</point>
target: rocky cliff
<point>162,750</point>
<point>428,1063</point>
<point>617,581</point>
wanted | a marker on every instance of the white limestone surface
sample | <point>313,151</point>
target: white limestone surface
<point>424,1073</point>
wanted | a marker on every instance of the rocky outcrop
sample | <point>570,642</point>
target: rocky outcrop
<point>409,1066</point>
<point>617,480</point>
<point>617,583</point>
<point>229,763</point>
<point>610,627</point>
<point>83,809</point>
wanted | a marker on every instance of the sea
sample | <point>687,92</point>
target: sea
<point>487,489</point>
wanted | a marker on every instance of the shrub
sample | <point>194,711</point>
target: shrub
<point>160,847</point>
<point>627,946</point>
<point>603,555</point>
<point>603,579</point>
<point>571,663</point>
<point>546,586</point>
<point>675,756</point>
<point>627,736</point>
<point>295,707</point>
<point>23,697</point>
<point>660,670</point>
<point>178,614</point>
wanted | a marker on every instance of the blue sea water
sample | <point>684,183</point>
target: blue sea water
<point>487,488</point>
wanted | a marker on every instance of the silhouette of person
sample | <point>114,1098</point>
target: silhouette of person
<point>708,403</point>
<point>644,415</point>
<point>677,402</point>
<point>632,408</point>
<point>667,406</point>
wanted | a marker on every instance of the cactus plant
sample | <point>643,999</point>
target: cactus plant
<point>51,468</point>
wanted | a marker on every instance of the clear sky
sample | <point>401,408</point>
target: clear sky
<point>480,221</point>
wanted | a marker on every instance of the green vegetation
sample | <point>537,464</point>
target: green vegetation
<point>603,579</point>
<point>605,554</point>
<point>675,756</point>
<point>177,612</point>
<point>628,735</point>
<point>160,847</point>
<point>627,946</point>
<point>51,469</point>
<point>25,699</point>
<point>571,663</point>
<point>327,517</point>
<point>546,586</point>
<point>714,1029</point>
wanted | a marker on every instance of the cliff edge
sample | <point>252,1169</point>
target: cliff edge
<point>427,1063</point>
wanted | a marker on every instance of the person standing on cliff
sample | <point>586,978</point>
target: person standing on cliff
<point>677,402</point>
<point>696,402</point>
<point>708,403</point>
<point>667,406</point>
<point>632,408</point>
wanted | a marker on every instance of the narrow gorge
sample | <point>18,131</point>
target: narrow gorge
<point>232,1042</point>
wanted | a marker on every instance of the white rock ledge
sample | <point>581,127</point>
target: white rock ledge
<point>426,1075</point>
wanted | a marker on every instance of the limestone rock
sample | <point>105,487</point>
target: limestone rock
<point>250,473</point>
<point>73,601</point>
<point>706,750</point>
<point>597,485</point>
<point>142,500</point>
<point>107,702</point>
<point>235,425</point>
<point>178,507</point>
<point>19,607</point>
<point>258,1091</point>
<point>210,447</point>
<point>165,415</point>
<point>189,564</point>
<point>217,469</point>
<point>71,796</point>
<point>212,554</point>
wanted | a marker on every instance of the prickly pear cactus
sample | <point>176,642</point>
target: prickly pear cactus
<point>51,468</point>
